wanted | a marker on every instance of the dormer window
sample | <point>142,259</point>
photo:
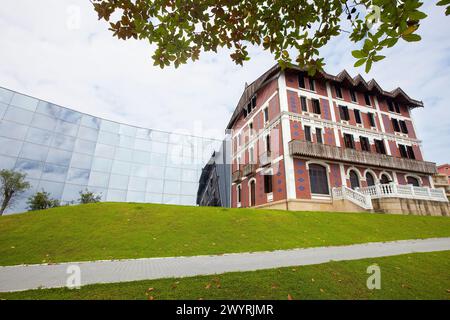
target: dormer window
<point>353,96</point>
<point>266,115</point>
<point>338,92</point>
<point>301,81</point>
<point>367,99</point>
<point>312,86</point>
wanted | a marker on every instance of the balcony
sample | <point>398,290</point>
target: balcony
<point>323,151</point>
<point>248,169</point>
<point>265,158</point>
<point>236,176</point>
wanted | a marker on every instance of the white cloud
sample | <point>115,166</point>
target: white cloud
<point>89,70</point>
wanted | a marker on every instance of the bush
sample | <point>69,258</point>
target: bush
<point>89,197</point>
<point>41,200</point>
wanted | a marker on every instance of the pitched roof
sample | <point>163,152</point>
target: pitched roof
<point>342,77</point>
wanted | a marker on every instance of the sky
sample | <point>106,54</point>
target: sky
<point>58,51</point>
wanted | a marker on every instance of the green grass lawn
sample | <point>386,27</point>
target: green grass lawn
<point>413,276</point>
<point>121,230</point>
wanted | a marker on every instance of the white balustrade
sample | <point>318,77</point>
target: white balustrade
<point>392,190</point>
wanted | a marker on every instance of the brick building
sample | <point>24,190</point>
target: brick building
<point>325,143</point>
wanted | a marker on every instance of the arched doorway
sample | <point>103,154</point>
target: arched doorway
<point>252,193</point>
<point>318,179</point>
<point>370,179</point>
<point>354,180</point>
<point>384,179</point>
<point>414,181</point>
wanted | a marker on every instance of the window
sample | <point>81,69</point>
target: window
<point>354,180</point>
<point>251,155</point>
<point>370,179</point>
<point>301,81</point>
<point>343,112</point>
<point>397,107</point>
<point>384,179</point>
<point>245,112</point>
<point>379,146</point>
<point>338,92</point>
<point>239,139</point>
<point>367,99</point>
<point>414,181</point>
<point>318,179</point>
<point>239,193</point>
<point>308,133</point>
<point>410,152</point>
<point>395,125</point>
<point>403,152</point>
<point>253,102</point>
<point>303,103</point>
<point>365,144</point>
<point>390,106</point>
<point>266,115</point>
<point>371,120</point>
<point>316,106</point>
<point>319,135</point>
<point>353,96</point>
<point>249,108</point>
<point>312,85</point>
<point>348,140</point>
<point>250,127</point>
<point>267,183</point>
<point>357,116</point>
<point>403,126</point>
<point>268,143</point>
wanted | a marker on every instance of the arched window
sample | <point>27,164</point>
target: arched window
<point>384,179</point>
<point>414,181</point>
<point>318,179</point>
<point>370,179</point>
<point>354,179</point>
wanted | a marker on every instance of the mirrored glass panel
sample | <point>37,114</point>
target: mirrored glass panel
<point>171,199</point>
<point>7,162</point>
<point>54,188</point>
<point>127,130</point>
<point>155,186</point>
<point>172,187</point>
<point>153,198</point>
<point>59,157</point>
<point>53,172</point>
<point>33,169</point>
<point>71,192</point>
<point>39,136</point>
<point>78,176</point>
<point>121,167</point>
<point>104,150</point>
<point>135,196</point>
<point>117,195</point>
<point>90,122</point>
<point>84,146</point>
<point>118,182</point>
<point>63,142</point>
<point>109,126</point>
<point>102,164</point>
<point>10,147</point>
<point>81,161</point>
<point>12,130</point>
<point>18,115</point>
<point>156,172</point>
<point>139,170</point>
<point>66,128</point>
<point>87,133</point>
<point>5,95</point>
<point>3,108</point>
<point>98,179</point>
<point>48,109</point>
<point>123,154</point>
<point>43,122</point>
<point>70,116</point>
<point>34,151</point>
<point>24,102</point>
<point>108,138</point>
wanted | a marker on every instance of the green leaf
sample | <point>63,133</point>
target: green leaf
<point>358,54</point>
<point>368,65</point>
<point>443,2</point>
<point>378,58</point>
<point>412,37</point>
<point>417,15</point>
<point>360,62</point>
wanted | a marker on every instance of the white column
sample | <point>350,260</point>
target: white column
<point>286,137</point>
<point>333,114</point>
<point>343,177</point>
<point>383,129</point>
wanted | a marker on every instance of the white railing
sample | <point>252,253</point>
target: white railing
<point>393,190</point>
<point>358,198</point>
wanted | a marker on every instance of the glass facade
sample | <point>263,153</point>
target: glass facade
<point>63,152</point>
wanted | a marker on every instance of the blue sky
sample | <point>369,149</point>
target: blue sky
<point>47,54</point>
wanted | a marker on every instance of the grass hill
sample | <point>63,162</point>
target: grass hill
<point>130,230</point>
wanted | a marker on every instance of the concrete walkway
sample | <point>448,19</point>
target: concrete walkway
<point>17,278</point>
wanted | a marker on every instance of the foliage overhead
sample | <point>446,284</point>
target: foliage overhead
<point>41,200</point>
<point>181,29</point>
<point>12,184</point>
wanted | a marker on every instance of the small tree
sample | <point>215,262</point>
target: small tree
<point>12,184</point>
<point>41,200</point>
<point>87,196</point>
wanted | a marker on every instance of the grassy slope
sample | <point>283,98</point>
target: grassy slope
<point>118,230</point>
<point>415,276</point>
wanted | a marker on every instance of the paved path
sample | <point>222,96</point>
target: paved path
<point>17,278</point>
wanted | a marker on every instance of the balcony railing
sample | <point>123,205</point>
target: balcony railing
<point>248,169</point>
<point>393,190</point>
<point>236,176</point>
<point>323,151</point>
